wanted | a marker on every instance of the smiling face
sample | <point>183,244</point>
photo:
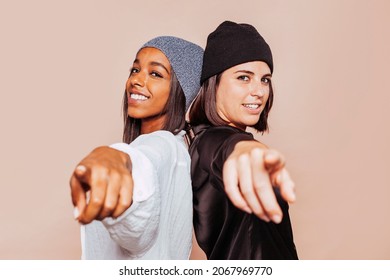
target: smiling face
<point>242,93</point>
<point>148,89</point>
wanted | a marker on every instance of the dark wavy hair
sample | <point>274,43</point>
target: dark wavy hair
<point>204,108</point>
<point>174,109</point>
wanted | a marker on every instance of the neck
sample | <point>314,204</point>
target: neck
<point>151,125</point>
<point>243,127</point>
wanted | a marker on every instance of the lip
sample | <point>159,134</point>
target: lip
<point>136,101</point>
<point>254,111</point>
<point>134,91</point>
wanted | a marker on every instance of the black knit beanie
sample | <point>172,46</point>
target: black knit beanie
<point>232,44</point>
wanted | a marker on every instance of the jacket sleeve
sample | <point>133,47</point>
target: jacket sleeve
<point>137,228</point>
<point>213,148</point>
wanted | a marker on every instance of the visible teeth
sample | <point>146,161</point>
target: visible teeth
<point>138,96</point>
<point>252,106</point>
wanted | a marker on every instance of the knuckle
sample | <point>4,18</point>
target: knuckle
<point>256,152</point>
<point>228,163</point>
<point>96,200</point>
<point>99,169</point>
<point>124,204</point>
<point>104,170</point>
<point>246,192</point>
<point>243,158</point>
<point>109,172</point>
<point>109,207</point>
<point>260,186</point>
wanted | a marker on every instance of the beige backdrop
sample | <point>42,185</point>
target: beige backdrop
<point>63,67</point>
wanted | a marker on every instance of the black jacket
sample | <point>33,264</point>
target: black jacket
<point>222,230</point>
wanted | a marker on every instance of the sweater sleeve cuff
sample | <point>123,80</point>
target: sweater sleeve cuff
<point>142,170</point>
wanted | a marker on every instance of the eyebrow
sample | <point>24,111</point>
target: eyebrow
<point>244,71</point>
<point>252,73</point>
<point>154,63</point>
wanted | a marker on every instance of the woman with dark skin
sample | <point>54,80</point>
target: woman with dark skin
<point>134,198</point>
<point>237,215</point>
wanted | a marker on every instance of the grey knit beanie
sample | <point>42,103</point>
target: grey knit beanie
<point>186,61</point>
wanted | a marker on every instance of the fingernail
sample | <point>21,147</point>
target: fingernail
<point>248,210</point>
<point>81,168</point>
<point>276,219</point>
<point>265,218</point>
<point>293,197</point>
<point>76,213</point>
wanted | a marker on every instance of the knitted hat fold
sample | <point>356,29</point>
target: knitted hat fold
<point>186,61</point>
<point>232,44</point>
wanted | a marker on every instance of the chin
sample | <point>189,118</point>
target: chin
<point>134,113</point>
<point>251,122</point>
<point>135,116</point>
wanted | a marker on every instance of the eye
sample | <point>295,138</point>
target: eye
<point>134,70</point>
<point>243,78</point>
<point>266,80</point>
<point>156,74</point>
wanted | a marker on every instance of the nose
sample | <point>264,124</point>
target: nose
<point>259,89</point>
<point>137,79</point>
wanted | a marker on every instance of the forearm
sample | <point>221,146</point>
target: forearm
<point>108,156</point>
<point>136,229</point>
<point>247,146</point>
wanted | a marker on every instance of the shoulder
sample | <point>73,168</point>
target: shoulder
<point>224,134</point>
<point>226,130</point>
<point>159,137</point>
<point>161,144</point>
<point>217,140</point>
<point>164,134</point>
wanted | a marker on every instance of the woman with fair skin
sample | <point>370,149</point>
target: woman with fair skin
<point>237,213</point>
<point>134,198</point>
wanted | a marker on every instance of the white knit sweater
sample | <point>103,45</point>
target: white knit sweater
<point>158,225</point>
